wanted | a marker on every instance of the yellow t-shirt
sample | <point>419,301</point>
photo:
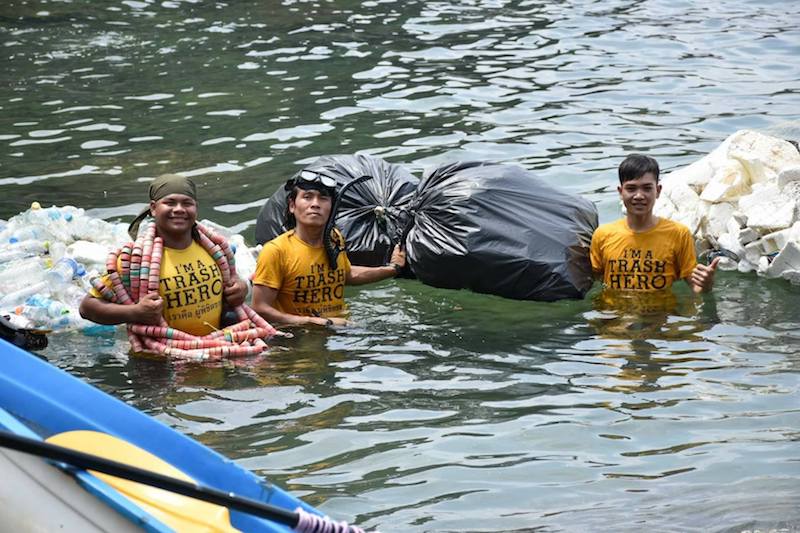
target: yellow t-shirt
<point>191,286</point>
<point>642,261</point>
<point>300,274</point>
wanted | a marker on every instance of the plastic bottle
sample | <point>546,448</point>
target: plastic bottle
<point>62,272</point>
<point>48,313</point>
<point>18,250</point>
<point>21,272</point>
<point>31,232</point>
<point>14,298</point>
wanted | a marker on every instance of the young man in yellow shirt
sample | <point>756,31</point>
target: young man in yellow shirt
<point>296,280</point>
<point>643,252</point>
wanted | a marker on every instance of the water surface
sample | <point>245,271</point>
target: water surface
<point>441,410</point>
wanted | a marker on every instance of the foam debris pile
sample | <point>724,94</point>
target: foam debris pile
<point>743,197</point>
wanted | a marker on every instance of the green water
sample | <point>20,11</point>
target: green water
<point>441,410</point>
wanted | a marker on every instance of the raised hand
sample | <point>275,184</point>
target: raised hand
<point>702,277</point>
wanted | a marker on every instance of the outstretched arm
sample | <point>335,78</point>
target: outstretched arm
<point>146,311</point>
<point>361,275</point>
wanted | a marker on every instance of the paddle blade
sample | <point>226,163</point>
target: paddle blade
<point>179,512</point>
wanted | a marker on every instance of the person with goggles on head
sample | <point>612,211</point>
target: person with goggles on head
<point>300,275</point>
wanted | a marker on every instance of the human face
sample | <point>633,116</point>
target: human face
<point>175,214</point>
<point>310,208</point>
<point>639,195</point>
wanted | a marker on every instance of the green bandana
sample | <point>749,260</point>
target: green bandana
<point>161,187</point>
<point>167,184</point>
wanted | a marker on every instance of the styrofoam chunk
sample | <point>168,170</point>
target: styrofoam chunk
<point>753,251</point>
<point>745,266</point>
<point>696,175</point>
<point>748,235</point>
<point>717,217</point>
<point>767,209</point>
<point>762,156</point>
<point>792,276</point>
<point>775,241</point>
<point>731,242</point>
<point>728,183</point>
<point>788,175</point>
<point>788,259</point>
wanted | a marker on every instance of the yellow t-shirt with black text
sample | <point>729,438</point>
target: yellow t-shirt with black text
<point>300,274</point>
<point>191,286</point>
<point>642,261</point>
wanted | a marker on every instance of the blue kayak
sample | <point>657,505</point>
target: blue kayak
<point>41,401</point>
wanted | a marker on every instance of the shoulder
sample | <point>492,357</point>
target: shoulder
<point>610,228</point>
<point>668,223</point>
<point>281,241</point>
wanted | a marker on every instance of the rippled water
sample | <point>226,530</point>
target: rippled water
<point>441,410</point>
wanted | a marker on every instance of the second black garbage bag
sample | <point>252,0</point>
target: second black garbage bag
<point>497,229</point>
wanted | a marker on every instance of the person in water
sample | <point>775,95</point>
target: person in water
<point>300,275</point>
<point>191,293</point>
<point>643,252</point>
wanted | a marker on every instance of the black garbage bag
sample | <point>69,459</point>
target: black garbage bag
<point>497,229</point>
<point>371,214</point>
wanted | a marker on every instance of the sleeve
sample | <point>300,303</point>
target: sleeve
<point>269,269</point>
<point>687,258</point>
<point>596,253</point>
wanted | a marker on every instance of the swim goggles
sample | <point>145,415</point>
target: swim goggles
<point>310,176</point>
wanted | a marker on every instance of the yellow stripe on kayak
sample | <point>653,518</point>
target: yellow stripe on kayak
<point>177,511</point>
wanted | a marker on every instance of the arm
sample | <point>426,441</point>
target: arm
<point>264,301</point>
<point>702,277</point>
<point>146,311</point>
<point>596,257</point>
<point>360,275</point>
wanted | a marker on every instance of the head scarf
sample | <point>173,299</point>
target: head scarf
<point>162,186</point>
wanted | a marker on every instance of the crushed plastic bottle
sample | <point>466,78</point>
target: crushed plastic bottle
<point>14,298</point>
<point>25,271</point>
<point>18,250</point>
<point>63,271</point>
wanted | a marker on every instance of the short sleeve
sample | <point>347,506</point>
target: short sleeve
<point>269,270</point>
<point>595,253</point>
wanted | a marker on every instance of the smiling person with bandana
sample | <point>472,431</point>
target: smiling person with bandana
<point>191,292</point>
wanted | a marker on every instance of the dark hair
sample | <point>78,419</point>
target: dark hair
<point>289,220</point>
<point>637,165</point>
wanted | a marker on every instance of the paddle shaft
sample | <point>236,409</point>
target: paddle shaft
<point>132,473</point>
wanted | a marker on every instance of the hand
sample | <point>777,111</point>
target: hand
<point>702,277</point>
<point>235,292</point>
<point>398,256</point>
<point>324,321</point>
<point>149,309</point>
